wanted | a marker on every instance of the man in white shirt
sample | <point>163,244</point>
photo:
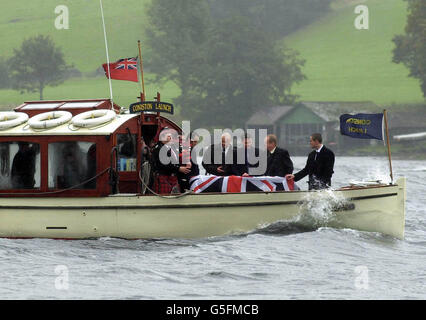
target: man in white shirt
<point>319,166</point>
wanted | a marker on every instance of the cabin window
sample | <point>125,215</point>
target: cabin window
<point>72,163</point>
<point>126,144</point>
<point>19,165</point>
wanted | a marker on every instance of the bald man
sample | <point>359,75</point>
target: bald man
<point>226,165</point>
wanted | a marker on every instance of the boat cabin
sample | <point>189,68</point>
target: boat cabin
<point>68,160</point>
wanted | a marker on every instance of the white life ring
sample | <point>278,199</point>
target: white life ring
<point>12,119</point>
<point>49,119</point>
<point>93,118</point>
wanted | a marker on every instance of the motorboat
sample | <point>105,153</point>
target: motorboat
<point>74,169</point>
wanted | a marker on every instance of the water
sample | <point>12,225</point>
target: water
<point>287,260</point>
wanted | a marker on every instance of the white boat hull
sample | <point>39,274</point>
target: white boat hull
<point>377,209</point>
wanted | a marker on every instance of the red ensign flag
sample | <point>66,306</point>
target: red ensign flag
<point>123,69</point>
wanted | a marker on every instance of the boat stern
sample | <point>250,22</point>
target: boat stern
<point>401,198</point>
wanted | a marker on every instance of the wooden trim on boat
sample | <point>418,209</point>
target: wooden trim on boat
<point>375,196</point>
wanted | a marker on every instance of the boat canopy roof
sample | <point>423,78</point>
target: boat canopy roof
<point>75,107</point>
<point>69,130</point>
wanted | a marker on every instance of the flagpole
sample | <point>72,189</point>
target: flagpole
<point>107,55</point>
<point>141,68</point>
<point>388,144</point>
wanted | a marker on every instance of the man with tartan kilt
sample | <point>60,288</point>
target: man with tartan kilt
<point>165,161</point>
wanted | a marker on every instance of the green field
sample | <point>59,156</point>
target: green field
<point>346,64</point>
<point>342,63</point>
<point>83,43</point>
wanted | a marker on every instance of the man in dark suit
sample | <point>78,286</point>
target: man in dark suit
<point>319,166</point>
<point>279,162</point>
<point>226,165</point>
<point>249,153</point>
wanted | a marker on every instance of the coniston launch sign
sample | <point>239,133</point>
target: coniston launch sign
<point>151,106</point>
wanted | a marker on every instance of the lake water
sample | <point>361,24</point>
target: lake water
<point>282,261</point>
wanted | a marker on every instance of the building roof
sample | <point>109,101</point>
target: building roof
<point>292,114</point>
<point>332,110</point>
<point>413,117</point>
<point>269,115</point>
<point>407,119</point>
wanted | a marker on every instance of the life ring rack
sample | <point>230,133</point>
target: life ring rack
<point>93,118</point>
<point>11,119</point>
<point>49,119</point>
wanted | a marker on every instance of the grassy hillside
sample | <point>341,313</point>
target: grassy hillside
<point>83,43</point>
<point>343,64</point>
<point>346,64</point>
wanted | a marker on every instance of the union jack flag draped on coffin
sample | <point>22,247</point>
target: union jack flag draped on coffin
<point>240,184</point>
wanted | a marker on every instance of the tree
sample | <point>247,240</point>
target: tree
<point>410,49</point>
<point>225,67</point>
<point>244,71</point>
<point>4,74</point>
<point>37,64</point>
<point>177,33</point>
